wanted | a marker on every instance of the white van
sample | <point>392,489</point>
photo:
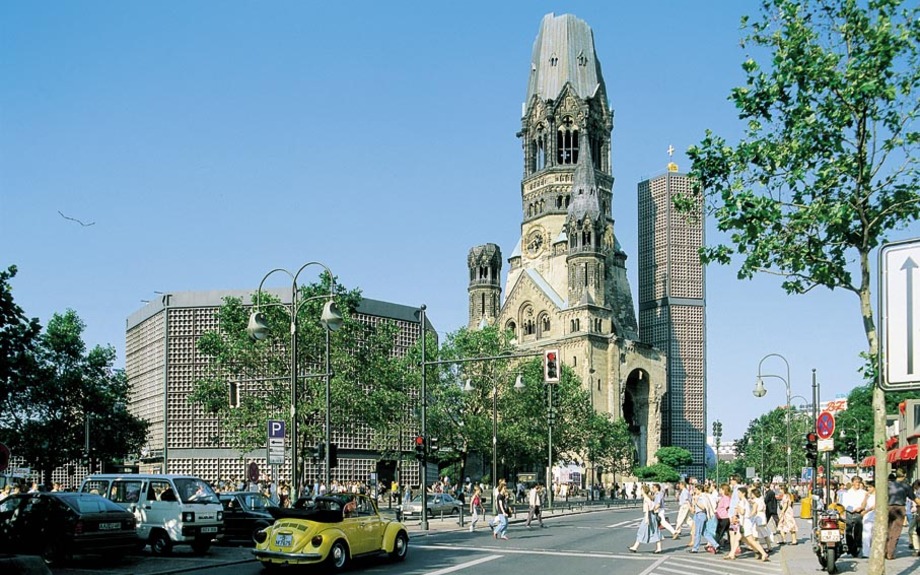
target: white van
<point>170,509</point>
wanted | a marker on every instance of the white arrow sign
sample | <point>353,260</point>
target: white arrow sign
<point>900,272</point>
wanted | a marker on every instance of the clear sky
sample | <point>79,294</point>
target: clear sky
<point>209,142</point>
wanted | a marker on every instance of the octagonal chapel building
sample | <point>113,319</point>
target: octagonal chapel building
<point>566,283</point>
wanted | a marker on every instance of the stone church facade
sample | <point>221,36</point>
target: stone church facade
<point>566,284</point>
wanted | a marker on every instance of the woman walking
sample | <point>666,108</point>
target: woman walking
<point>724,521</point>
<point>702,512</point>
<point>501,520</point>
<point>759,513</point>
<point>787,523</point>
<point>748,524</point>
<point>648,531</point>
<point>475,508</point>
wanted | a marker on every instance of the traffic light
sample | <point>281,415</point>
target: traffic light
<point>420,447</point>
<point>811,447</point>
<point>333,455</point>
<point>551,366</point>
<point>433,447</point>
<point>319,452</point>
<point>717,428</point>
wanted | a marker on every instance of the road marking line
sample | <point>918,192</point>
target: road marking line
<point>462,566</point>
<point>622,523</point>
<point>594,555</point>
<point>683,565</point>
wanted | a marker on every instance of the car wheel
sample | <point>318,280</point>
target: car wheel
<point>160,543</point>
<point>400,547</point>
<point>259,527</point>
<point>52,552</point>
<point>200,546</point>
<point>338,556</point>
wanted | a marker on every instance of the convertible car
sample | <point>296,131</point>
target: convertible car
<point>332,530</point>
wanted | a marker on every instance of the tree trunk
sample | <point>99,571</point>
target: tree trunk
<point>880,528</point>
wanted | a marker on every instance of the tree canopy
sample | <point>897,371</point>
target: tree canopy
<point>50,385</point>
<point>827,166</point>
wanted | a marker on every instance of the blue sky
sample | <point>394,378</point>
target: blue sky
<point>210,142</point>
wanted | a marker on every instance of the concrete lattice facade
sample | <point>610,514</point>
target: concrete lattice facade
<point>672,308</point>
<point>163,363</point>
<point>567,286</point>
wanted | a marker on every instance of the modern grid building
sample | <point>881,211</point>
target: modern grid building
<point>672,308</point>
<point>163,362</point>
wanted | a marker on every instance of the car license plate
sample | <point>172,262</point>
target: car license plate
<point>209,529</point>
<point>828,535</point>
<point>284,539</point>
<point>109,526</point>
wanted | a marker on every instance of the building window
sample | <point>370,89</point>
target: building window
<point>567,142</point>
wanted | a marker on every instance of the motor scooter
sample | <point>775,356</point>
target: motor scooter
<point>828,541</point>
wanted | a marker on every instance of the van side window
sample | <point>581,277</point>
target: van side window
<point>97,486</point>
<point>125,491</point>
<point>163,491</point>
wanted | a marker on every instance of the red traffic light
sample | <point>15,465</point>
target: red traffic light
<point>419,440</point>
<point>550,356</point>
<point>811,437</point>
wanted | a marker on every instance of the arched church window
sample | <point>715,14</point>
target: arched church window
<point>545,323</point>
<point>528,327</point>
<point>567,142</point>
<point>540,150</point>
<point>512,327</point>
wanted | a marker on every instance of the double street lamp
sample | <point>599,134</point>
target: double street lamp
<point>331,320</point>
<point>760,391</point>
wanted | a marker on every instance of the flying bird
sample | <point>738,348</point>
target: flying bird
<point>85,225</point>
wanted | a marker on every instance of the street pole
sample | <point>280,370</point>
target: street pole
<point>549,456</point>
<point>759,391</point>
<point>494,446</point>
<point>331,320</point>
<point>815,394</point>
<point>423,472</point>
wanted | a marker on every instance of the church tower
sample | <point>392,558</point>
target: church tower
<point>485,264</point>
<point>567,287</point>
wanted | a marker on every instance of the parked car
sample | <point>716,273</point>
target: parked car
<point>438,503</point>
<point>332,530</point>
<point>170,509</point>
<point>59,525</point>
<point>245,514</point>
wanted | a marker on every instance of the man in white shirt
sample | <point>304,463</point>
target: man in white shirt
<point>854,501</point>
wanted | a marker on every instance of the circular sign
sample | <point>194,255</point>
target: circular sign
<point>253,472</point>
<point>820,469</point>
<point>825,425</point>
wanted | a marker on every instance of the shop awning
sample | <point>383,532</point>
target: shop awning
<point>892,456</point>
<point>868,462</point>
<point>908,453</point>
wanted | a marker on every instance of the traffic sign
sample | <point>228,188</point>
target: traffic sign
<point>825,425</point>
<point>807,474</point>
<point>899,265</point>
<point>275,442</point>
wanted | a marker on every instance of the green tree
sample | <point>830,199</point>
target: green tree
<point>18,363</point>
<point>675,457</point>
<point>69,386</point>
<point>609,443</point>
<point>827,166</point>
<point>367,387</point>
<point>658,473</point>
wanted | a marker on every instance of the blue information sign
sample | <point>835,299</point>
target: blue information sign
<point>807,474</point>
<point>275,442</point>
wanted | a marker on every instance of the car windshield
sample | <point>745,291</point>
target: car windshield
<point>257,501</point>
<point>193,490</point>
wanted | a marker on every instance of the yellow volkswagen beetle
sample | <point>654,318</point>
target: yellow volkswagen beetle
<point>333,530</point>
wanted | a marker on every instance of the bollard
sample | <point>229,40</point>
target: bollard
<point>461,517</point>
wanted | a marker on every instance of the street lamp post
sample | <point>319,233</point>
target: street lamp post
<point>760,391</point>
<point>468,387</point>
<point>331,320</point>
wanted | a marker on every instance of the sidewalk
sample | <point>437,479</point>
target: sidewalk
<point>802,559</point>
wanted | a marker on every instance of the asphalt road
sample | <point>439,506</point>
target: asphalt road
<point>575,543</point>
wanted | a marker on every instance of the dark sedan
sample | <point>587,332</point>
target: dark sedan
<point>245,512</point>
<point>59,525</point>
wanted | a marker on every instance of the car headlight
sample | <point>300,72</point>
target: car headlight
<point>220,515</point>
<point>188,516</point>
